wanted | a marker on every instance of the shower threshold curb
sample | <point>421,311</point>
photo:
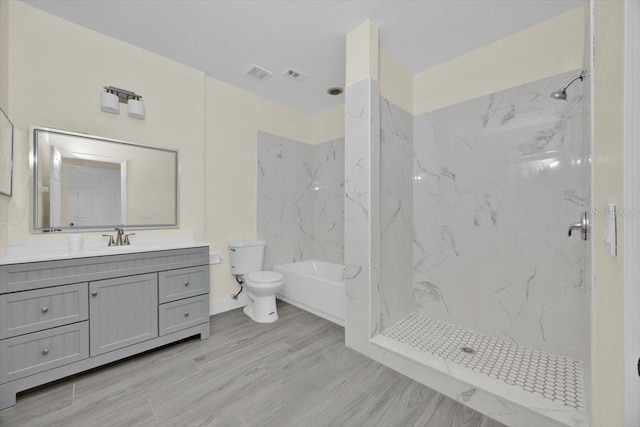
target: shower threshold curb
<point>511,397</point>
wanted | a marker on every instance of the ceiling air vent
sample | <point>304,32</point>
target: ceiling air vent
<point>257,73</point>
<point>295,75</point>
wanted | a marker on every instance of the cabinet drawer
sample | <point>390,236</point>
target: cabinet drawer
<point>40,351</point>
<point>183,283</point>
<point>32,311</point>
<point>183,314</point>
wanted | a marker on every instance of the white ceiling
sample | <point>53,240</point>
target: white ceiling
<point>223,38</point>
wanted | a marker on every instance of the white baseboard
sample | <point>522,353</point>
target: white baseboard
<point>228,304</point>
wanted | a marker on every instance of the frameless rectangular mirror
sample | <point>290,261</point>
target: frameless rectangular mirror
<point>6,154</point>
<point>92,183</point>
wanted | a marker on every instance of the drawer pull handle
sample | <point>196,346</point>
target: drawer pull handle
<point>186,283</point>
<point>94,293</point>
<point>45,351</point>
<point>44,309</point>
<point>186,314</point>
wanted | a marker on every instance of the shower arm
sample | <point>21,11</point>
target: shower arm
<point>582,75</point>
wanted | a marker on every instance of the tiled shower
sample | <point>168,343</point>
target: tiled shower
<point>476,268</point>
<point>476,272</point>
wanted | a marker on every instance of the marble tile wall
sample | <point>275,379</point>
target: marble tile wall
<point>396,213</point>
<point>328,201</point>
<point>300,199</point>
<point>497,182</point>
<point>362,213</point>
<point>284,199</point>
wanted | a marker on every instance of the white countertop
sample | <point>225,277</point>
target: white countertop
<point>93,247</point>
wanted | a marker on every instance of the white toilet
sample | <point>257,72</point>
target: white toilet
<point>246,258</point>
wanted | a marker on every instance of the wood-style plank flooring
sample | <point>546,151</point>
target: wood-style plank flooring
<point>294,372</point>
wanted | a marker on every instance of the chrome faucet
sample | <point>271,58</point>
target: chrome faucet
<point>119,240</point>
<point>111,241</point>
<point>126,238</point>
<point>119,234</point>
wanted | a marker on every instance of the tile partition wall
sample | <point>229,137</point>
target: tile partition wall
<point>362,212</point>
<point>396,213</point>
<point>300,199</point>
<point>497,182</point>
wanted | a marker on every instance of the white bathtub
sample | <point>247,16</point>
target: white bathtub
<point>315,286</point>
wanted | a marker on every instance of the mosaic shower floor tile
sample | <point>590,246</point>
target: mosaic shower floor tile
<point>549,376</point>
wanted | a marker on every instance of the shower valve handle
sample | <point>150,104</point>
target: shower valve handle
<point>583,226</point>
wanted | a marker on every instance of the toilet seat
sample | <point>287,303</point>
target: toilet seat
<point>264,277</point>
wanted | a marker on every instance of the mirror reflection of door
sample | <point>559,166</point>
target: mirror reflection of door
<point>92,193</point>
<point>86,192</point>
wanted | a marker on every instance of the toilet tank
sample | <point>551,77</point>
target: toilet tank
<point>246,256</point>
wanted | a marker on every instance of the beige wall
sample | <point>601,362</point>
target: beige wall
<point>396,82</point>
<point>328,125</point>
<point>551,47</point>
<point>57,71</point>
<point>362,45</point>
<point>546,49</point>
<point>608,98</point>
<point>4,52</point>
<point>4,98</point>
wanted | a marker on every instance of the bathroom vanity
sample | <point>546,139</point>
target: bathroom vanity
<point>67,314</point>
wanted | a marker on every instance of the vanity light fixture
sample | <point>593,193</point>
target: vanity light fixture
<point>111,98</point>
<point>135,108</point>
<point>109,103</point>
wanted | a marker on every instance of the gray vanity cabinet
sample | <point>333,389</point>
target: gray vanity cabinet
<point>61,317</point>
<point>124,311</point>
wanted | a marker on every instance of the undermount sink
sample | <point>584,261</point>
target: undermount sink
<point>121,248</point>
<point>133,247</point>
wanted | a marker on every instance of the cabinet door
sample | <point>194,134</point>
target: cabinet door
<point>122,312</point>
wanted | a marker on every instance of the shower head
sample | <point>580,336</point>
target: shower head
<point>562,93</point>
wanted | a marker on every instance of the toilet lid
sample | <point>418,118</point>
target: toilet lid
<point>265,277</point>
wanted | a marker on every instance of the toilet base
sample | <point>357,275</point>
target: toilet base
<point>262,309</point>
